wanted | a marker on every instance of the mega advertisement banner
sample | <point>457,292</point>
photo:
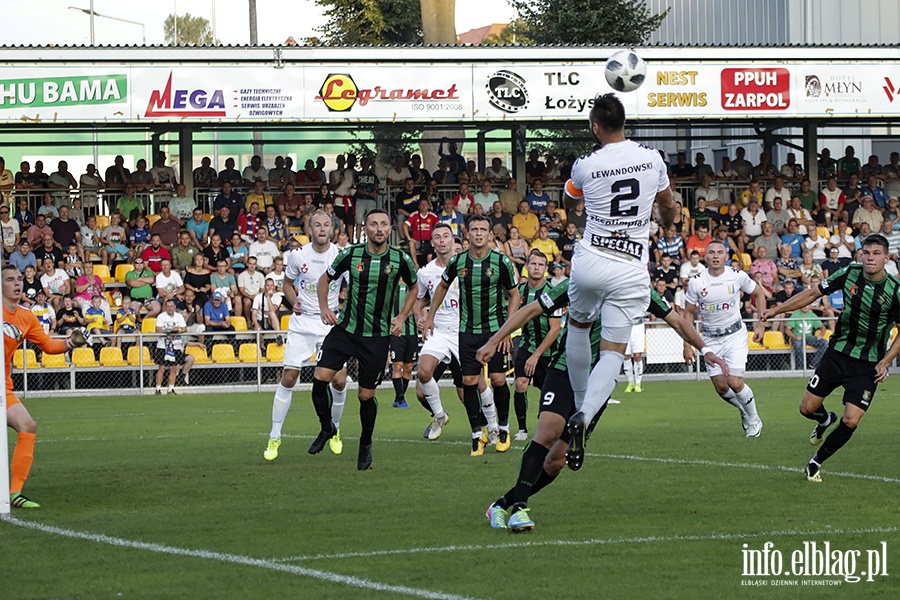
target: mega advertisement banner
<point>420,92</point>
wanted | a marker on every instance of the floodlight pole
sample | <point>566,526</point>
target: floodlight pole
<point>90,11</point>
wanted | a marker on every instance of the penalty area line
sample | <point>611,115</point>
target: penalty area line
<point>590,542</point>
<point>237,559</point>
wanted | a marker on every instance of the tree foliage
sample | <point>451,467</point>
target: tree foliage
<point>191,31</point>
<point>620,22</point>
<point>380,22</point>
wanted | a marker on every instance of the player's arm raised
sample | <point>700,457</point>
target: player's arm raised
<point>807,296</point>
<point>685,329</point>
<point>525,314</point>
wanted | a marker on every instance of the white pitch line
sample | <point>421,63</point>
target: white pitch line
<point>711,463</point>
<point>591,542</point>
<point>237,559</point>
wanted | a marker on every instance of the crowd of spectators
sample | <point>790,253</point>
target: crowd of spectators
<point>786,234</point>
<point>217,260</point>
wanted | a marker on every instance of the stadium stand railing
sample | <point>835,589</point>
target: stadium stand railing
<point>252,361</point>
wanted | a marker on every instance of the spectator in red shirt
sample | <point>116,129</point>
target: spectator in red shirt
<point>699,241</point>
<point>464,201</point>
<point>418,228</point>
<point>154,254</point>
<point>248,223</point>
<point>309,178</point>
<point>288,205</point>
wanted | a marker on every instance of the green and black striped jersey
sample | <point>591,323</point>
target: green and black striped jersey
<point>483,284</point>
<point>409,326</point>
<point>535,331</point>
<point>558,297</point>
<point>374,278</point>
<point>870,310</point>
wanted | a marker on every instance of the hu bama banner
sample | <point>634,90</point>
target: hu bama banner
<point>418,92</point>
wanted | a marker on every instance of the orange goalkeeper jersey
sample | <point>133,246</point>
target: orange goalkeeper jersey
<point>23,325</point>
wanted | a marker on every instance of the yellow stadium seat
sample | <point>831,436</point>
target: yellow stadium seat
<point>753,345</point>
<point>20,358</point>
<point>83,357</point>
<point>285,319</point>
<point>208,217</point>
<point>134,354</point>
<point>223,354</point>
<point>54,361</point>
<point>827,335</point>
<point>745,258</point>
<point>151,219</point>
<point>148,325</point>
<point>102,222</point>
<point>248,353</point>
<point>112,357</point>
<point>122,270</point>
<point>102,271</point>
<point>275,353</point>
<point>723,210</point>
<point>199,354</point>
<point>239,323</point>
<point>774,340</point>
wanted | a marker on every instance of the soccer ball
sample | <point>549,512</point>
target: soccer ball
<point>625,71</point>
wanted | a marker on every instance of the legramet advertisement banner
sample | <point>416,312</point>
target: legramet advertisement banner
<point>416,92</point>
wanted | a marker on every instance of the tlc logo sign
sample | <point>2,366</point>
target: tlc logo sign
<point>890,89</point>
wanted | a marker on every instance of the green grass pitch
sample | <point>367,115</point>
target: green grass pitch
<point>169,497</point>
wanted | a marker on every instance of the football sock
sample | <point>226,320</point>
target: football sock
<point>834,442</point>
<point>424,404</point>
<point>280,408</point>
<point>432,397</point>
<point>368,410</point>
<point>529,470</point>
<point>337,404</point>
<point>20,465</point>
<point>405,383</point>
<point>629,370</point>
<point>398,388</point>
<point>501,400</point>
<point>520,402</point>
<point>745,397</point>
<point>638,371</point>
<point>601,382</point>
<point>487,405</point>
<point>543,480</point>
<point>820,416</point>
<point>473,407</point>
<point>731,399</point>
<point>320,402</point>
<point>578,357</point>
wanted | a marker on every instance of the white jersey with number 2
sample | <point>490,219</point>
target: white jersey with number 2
<point>619,183</point>
<point>446,318</point>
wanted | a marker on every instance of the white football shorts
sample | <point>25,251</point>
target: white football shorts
<point>441,345</point>
<point>732,348</point>
<point>615,292</point>
<point>304,340</point>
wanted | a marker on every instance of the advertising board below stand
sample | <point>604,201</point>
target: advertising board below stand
<point>438,92</point>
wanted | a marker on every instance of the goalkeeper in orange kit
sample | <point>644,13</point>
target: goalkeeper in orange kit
<point>20,324</point>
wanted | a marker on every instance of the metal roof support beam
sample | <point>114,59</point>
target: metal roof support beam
<point>186,158</point>
<point>811,152</point>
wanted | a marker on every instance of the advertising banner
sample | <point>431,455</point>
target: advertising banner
<point>424,92</point>
<point>64,94</point>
